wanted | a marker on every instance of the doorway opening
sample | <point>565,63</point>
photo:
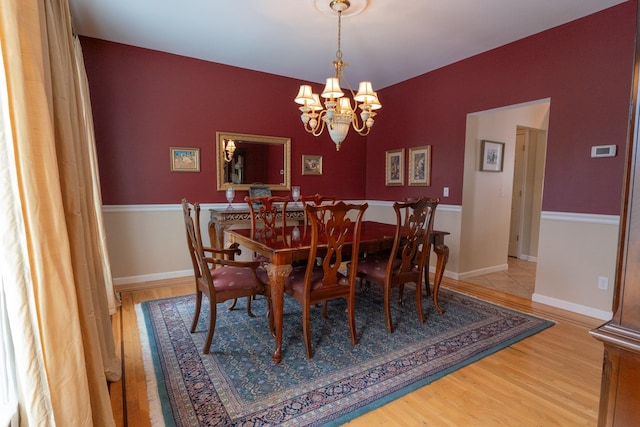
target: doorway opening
<point>501,211</point>
<point>526,200</point>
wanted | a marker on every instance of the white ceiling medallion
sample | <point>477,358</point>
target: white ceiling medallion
<point>357,7</point>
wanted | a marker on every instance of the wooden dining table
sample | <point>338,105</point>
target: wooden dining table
<point>292,244</point>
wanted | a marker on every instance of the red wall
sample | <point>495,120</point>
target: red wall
<point>585,67</point>
<point>146,101</point>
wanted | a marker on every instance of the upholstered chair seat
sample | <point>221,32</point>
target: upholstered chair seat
<point>374,266</point>
<point>230,278</point>
<point>295,280</point>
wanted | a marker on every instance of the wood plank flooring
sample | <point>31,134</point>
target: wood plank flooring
<point>549,379</point>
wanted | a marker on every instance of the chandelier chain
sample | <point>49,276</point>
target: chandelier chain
<point>339,51</point>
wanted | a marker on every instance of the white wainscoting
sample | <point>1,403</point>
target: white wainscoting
<point>574,251</point>
<point>147,243</point>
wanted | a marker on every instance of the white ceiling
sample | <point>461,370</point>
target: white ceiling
<point>389,42</point>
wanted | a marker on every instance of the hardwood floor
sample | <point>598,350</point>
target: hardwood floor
<point>549,379</point>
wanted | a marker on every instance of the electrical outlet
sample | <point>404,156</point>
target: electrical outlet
<point>445,192</point>
<point>603,283</point>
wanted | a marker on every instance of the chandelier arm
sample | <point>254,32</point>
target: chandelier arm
<point>317,130</point>
<point>363,133</point>
<point>344,79</point>
<point>321,123</point>
<point>355,122</point>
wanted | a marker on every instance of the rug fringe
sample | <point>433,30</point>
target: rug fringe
<point>155,408</point>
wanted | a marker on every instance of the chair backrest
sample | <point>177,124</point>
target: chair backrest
<point>411,244</point>
<point>191,215</point>
<point>203,258</point>
<point>315,200</point>
<point>265,212</point>
<point>333,226</point>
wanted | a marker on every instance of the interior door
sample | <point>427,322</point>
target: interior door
<point>518,194</point>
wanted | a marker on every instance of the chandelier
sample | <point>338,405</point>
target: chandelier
<point>338,114</point>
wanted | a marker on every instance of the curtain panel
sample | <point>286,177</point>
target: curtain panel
<point>55,273</point>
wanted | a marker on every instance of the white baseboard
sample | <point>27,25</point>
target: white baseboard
<point>474,273</point>
<point>447,273</point>
<point>575,308</point>
<point>151,277</point>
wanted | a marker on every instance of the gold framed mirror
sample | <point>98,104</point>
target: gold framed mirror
<point>244,160</point>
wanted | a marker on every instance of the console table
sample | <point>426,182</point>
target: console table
<point>221,219</point>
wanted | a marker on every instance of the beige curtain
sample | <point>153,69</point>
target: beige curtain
<point>55,273</point>
<point>93,176</point>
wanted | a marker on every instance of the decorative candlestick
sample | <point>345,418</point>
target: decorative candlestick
<point>230,195</point>
<point>295,194</point>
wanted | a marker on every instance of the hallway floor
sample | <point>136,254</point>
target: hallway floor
<point>518,280</point>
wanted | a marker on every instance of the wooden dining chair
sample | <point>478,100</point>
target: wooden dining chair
<point>268,215</point>
<point>318,199</point>
<point>338,235</point>
<point>315,200</point>
<point>218,276</point>
<point>406,261</point>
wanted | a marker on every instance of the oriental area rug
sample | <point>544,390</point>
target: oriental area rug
<point>237,384</point>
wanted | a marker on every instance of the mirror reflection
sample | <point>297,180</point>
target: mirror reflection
<point>244,160</point>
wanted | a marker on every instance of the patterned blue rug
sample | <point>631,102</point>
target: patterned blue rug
<point>237,384</point>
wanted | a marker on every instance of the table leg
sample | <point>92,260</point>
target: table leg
<point>277,276</point>
<point>442,251</point>
<point>216,234</point>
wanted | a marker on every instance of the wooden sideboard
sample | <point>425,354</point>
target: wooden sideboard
<point>620,389</point>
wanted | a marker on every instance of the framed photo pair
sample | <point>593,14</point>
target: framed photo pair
<point>419,166</point>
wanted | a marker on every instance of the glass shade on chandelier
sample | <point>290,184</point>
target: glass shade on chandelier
<point>338,114</point>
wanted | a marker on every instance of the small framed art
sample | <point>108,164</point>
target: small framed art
<point>492,156</point>
<point>394,167</point>
<point>420,165</point>
<point>184,159</point>
<point>311,165</point>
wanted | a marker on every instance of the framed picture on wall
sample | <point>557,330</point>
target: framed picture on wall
<point>184,159</point>
<point>394,167</point>
<point>311,165</point>
<point>420,165</point>
<point>492,156</point>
